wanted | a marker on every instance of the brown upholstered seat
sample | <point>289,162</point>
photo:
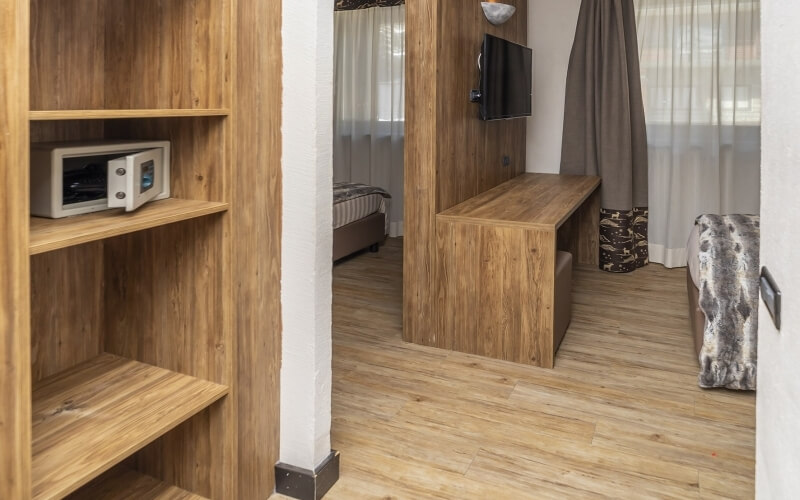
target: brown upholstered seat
<point>563,297</point>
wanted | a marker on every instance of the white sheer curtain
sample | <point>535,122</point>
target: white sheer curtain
<point>701,69</point>
<point>369,102</point>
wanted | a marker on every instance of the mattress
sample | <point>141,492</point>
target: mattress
<point>349,211</point>
<point>693,255</point>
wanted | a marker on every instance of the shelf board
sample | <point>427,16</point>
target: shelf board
<point>128,484</point>
<point>91,417</point>
<point>115,114</point>
<point>51,234</point>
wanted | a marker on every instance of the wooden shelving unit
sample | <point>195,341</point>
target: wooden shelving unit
<point>123,337</point>
<point>92,416</point>
<point>119,114</point>
<point>47,235</point>
<point>128,484</point>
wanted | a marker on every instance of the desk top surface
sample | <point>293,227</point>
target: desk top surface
<point>542,200</point>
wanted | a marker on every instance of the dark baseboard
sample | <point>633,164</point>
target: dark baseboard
<point>305,484</point>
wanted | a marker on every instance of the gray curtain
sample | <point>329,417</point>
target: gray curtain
<point>604,127</point>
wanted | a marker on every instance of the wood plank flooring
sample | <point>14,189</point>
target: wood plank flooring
<point>620,416</point>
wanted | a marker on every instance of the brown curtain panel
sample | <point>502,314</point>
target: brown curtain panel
<point>604,128</point>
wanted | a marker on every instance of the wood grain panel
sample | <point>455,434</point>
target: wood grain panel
<point>256,231</point>
<point>456,249</point>
<point>67,54</point>
<point>496,272</point>
<point>82,417</point>
<point>165,307</point>
<point>127,484</point>
<point>538,299</point>
<point>421,142</point>
<point>495,291</point>
<point>140,70</point>
<point>51,234</point>
<point>541,200</point>
<point>116,114</point>
<point>470,151</point>
<point>129,55</point>
<point>450,154</point>
<point>66,308</point>
<point>67,285</point>
<point>67,130</point>
<point>579,236</point>
<point>172,303</point>
<point>15,375</point>
<point>166,54</point>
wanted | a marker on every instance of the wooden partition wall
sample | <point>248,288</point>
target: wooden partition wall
<point>450,155</point>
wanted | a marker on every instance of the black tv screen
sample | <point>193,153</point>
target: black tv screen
<point>505,79</point>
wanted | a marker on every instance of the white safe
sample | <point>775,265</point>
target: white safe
<point>79,178</point>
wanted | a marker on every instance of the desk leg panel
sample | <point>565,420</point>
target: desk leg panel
<point>495,291</point>
<point>588,223</point>
<point>538,312</point>
<point>456,278</point>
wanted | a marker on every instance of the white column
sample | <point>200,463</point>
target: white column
<point>307,232</point>
<point>778,396</point>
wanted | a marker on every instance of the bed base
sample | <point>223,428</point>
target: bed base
<point>368,232</point>
<point>696,315</point>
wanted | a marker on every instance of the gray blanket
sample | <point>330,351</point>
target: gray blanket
<point>728,285</point>
<point>343,191</point>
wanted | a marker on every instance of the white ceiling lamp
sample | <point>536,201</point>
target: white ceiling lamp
<point>498,13</point>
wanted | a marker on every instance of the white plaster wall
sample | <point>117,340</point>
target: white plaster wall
<point>551,29</point>
<point>778,397</point>
<point>307,231</point>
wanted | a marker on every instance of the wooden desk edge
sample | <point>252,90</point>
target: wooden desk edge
<point>447,216</point>
<point>584,197</point>
<point>494,222</point>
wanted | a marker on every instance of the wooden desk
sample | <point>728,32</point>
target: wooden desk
<point>497,263</point>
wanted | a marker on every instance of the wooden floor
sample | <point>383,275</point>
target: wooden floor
<point>620,415</point>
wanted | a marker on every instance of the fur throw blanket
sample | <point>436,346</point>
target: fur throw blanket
<point>729,270</point>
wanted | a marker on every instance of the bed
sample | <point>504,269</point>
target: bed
<point>359,218</point>
<point>722,281</point>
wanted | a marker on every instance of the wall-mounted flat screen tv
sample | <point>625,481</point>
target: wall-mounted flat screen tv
<point>505,90</point>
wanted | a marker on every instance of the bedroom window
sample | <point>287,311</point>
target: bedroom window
<point>700,64</point>
<point>700,60</point>
<point>369,101</point>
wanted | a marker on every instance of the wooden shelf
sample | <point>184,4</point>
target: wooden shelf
<point>115,114</point>
<point>91,417</point>
<point>51,234</point>
<point>128,484</point>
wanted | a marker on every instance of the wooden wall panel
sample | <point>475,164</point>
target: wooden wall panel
<point>66,308</point>
<point>166,54</point>
<point>256,231</point>
<point>470,152</point>
<point>421,143</point>
<point>67,54</point>
<point>15,383</point>
<point>68,130</point>
<point>94,54</point>
<point>451,155</point>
